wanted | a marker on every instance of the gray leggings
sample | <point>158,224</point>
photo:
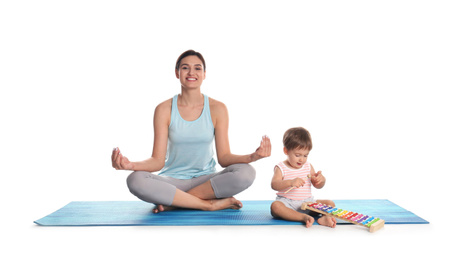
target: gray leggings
<point>160,190</point>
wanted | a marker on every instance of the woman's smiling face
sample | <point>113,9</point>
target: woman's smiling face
<point>191,72</point>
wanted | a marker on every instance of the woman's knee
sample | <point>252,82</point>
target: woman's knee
<point>148,188</point>
<point>233,180</point>
<point>246,174</point>
<point>135,181</point>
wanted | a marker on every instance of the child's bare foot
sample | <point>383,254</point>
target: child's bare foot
<point>161,208</point>
<point>226,203</point>
<point>327,221</point>
<point>309,221</point>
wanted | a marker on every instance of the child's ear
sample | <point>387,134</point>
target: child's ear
<point>285,151</point>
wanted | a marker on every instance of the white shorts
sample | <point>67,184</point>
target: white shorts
<point>295,204</point>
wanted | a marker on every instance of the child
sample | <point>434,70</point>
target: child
<point>293,178</point>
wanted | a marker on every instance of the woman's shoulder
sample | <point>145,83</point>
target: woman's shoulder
<point>213,103</point>
<point>164,108</point>
<point>217,107</point>
<point>218,112</point>
<point>167,104</point>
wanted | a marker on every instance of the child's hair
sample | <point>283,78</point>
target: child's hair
<point>297,137</point>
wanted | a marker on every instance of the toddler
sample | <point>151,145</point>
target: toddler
<point>293,179</point>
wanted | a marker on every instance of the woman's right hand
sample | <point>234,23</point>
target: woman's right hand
<point>120,162</point>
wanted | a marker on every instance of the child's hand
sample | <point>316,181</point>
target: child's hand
<point>317,179</point>
<point>297,182</point>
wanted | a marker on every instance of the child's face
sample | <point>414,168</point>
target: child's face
<point>296,157</point>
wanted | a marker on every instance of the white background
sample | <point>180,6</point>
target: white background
<point>383,87</point>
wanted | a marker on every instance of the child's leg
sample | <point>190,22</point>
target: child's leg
<point>279,210</point>
<point>327,220</point>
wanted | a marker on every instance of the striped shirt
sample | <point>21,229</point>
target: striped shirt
<point>301,193</point>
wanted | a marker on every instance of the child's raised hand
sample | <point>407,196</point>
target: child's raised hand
<point>317,178</point>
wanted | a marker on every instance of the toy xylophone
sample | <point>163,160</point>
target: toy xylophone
<point>356,218</point>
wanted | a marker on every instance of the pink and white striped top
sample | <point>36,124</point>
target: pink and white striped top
<point>301,193</point>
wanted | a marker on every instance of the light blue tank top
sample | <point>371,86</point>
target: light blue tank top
<point>190,145</point>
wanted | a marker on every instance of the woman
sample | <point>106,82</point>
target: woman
<point>185,127</point>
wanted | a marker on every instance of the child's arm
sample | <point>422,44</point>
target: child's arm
<point>317,179</point>
<point>278,184</point>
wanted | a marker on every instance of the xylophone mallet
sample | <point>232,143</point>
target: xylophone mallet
<point>308,176</point>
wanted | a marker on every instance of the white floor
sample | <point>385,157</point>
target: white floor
<point>443,237</point>
<point>392,242</point>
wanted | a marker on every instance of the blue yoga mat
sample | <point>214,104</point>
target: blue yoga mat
<point>138,213</point>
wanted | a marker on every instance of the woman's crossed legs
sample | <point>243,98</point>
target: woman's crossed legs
<point>208,192</point>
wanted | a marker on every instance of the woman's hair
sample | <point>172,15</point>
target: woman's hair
<point>297,137</point>
<point>189,53</point>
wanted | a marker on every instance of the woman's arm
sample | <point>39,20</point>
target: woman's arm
<point>224,156</point>
<point>162,117</point>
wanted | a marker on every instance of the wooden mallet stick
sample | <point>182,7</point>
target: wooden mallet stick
<point>308,176</point>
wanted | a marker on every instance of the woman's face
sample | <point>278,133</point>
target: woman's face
<point>191,72</point>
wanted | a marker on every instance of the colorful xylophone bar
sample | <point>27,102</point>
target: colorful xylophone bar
<point>356,218</point>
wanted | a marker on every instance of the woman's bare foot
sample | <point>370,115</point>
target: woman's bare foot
<point>161,208</point>
<point>308,221</point>
<point>226,203</point>
<point>214,204</point>
<point>327,221</point>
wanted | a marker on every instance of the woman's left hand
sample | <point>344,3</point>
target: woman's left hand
<point>264,150</point>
